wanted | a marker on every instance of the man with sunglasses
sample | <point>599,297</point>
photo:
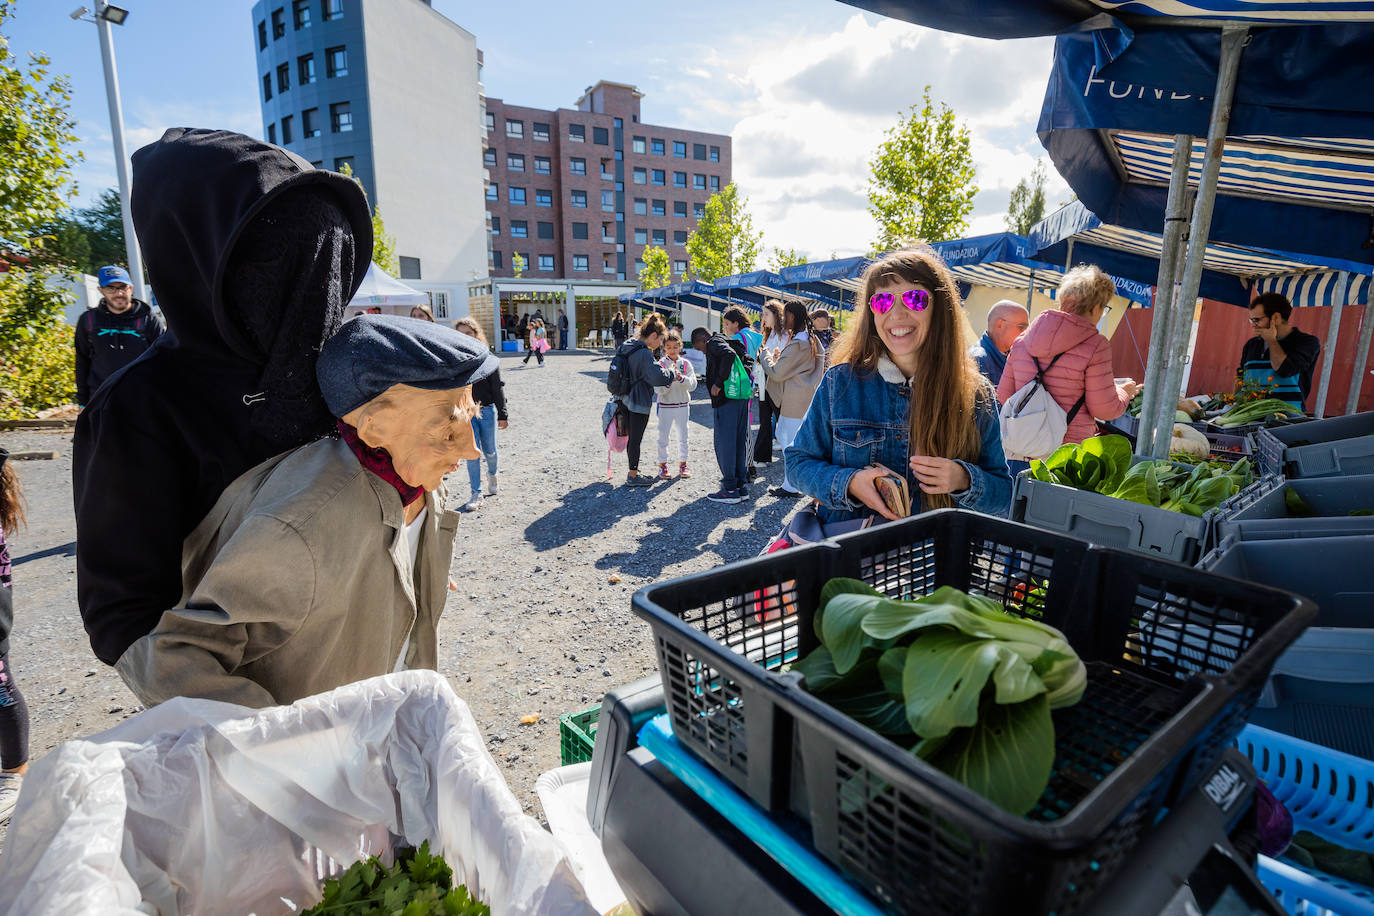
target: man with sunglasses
<point>1279,357</point>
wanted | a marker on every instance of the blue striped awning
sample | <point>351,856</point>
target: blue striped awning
<point>1259,11</point>
<point>1317,288</point>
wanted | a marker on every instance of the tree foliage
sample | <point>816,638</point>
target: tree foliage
<point>724,241</point>
<point>786,257</point>
<point>87,238</point>
<point>383,245</point>
<point>922,181</point>
<point>657,270</point>
<point>517,265</point>
<point>37,359</point>
<point>1027,205</point>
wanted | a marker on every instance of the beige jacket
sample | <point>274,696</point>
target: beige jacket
<point>794,376</point>
<point>296,583</point>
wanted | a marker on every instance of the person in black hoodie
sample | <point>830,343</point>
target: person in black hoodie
<point>254,255</point>
<point>113,334</point>
<point>731,421</point>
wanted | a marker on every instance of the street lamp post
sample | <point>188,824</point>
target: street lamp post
<point>105,16</point>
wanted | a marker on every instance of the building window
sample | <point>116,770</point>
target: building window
<point>278,24</point>
<point>641,236</point>
<point>577,166</point>
<point>496,260</point>
<point>272,132</point>
<point>519,229</point>
<point>515,162</point>
<point>639,265</point>
<point>657,177</point>
<point>607,267</point>
<point>262,36</point>
<point>515,129</point>
<point>287,129</point>
<point>333,9</point>
<point>489,158</point>
<point>679,149</point>
<point>606,172</point>
<point>579,230</point>
<point>619,123</point>
<point>641,176</point>
<point>577,133</point>
<point>679,179</point>
<point>715,182</point>
<point>580,263</point>
<point>660,208</point>
<point>336,62</point>
<point>699,182</point>
<point>714,154</point>
<point>543,198</point>
<point>680,268</point>
<point>608,230</point>
<point>491,120</point>
<point>545,230</point>
<point>305,69</point>
<point>267,87</point>
<point>641,206</point>
<point>517,196</point>
<point>680,208</point>
<point>541,131</point>
<point>410,268</point>
<point>579,198</point>
<point>496,225</point>
<point>698,211</point>
<point>608,201</point>
<point>301,10</point>
<point>637,145</point>
<point>310,122</point>
<point>680,237</point>
<point>699,151</point>
<point>601,136</point>
<point>656,146</point>
<point>341,161</point>
<point>340,117</point>
<point>283,77</point>
<point>660,237</point>
<point>546,262</point>
<point>541,165</point>
<point>493,191</point>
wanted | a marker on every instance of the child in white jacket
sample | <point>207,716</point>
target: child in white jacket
<point>674,405</point>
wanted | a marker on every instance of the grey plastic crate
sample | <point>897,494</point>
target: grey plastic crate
<point>1322,690</point>
<point>1335,572</point>
<point>1110,522</point>
<point>1259,512</point>
<point>1320,448</point>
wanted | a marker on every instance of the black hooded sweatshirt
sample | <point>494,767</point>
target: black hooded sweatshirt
<point>254,255</point>
<point>106,342</point>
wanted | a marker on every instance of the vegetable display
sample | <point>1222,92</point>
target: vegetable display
<point>953,677</point>
<point>1261,411</point>
<point>1188,441</point>
<point>1102,464</point>
<point>419,884</point>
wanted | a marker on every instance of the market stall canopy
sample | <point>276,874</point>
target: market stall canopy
<point>754,288</point>
<point>688,292</point>
<point>380,288</point>
<point>1008,261</point>
<point>836,280</point>
<point>1228,270</point>
<point>1297,171</point>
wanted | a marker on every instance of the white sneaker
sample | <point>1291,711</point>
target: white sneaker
<point>9,794</point>
<point>473,504</point>
<point>491,483</point>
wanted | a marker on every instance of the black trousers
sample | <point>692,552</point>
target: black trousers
<point>763,444</point>
<point>14,720</point>
<point>635,425</point>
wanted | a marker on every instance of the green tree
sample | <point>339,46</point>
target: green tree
<point>657,270</point>
<point>922,181</point>
<point>1027,205</point>
<point>383,244</point>
<point>724,241</point>
<point>37,359</point>
<point>786,257</point>
<point>517,264</point>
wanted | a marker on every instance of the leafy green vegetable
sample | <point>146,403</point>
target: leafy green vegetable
<point>419,884</point>
<point>973,683</point>
<point>1360,512</point>
<point>1261,411</point>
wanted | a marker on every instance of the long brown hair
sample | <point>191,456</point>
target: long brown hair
<point>772,307</point>
<point>11,499</point>
<point>797,319</point>
<point>947,387</point>
<point>472,325</point>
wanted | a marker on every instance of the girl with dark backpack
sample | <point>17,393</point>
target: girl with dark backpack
<point>635,372</point>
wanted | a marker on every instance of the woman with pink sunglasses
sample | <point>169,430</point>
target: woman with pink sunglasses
<point>902,396</point>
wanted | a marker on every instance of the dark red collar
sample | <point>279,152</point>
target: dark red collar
<point>378,461</point>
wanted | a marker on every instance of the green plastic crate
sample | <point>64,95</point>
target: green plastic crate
<point>577,734</point>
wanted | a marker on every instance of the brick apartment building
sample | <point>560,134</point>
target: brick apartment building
<point>582,193</point>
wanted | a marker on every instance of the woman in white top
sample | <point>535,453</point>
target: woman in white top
<point>793,371</point>
<point>770,324</point>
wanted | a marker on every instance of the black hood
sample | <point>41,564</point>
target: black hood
<point>195,192</point>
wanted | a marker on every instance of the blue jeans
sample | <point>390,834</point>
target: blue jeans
<point>484,432</point>
<point>731,436</point>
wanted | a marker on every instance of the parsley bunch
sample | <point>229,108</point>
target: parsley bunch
<point>419,884</point>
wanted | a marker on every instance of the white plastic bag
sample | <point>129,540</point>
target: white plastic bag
<point>202,807</point>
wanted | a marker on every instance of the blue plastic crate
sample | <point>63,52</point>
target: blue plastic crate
<point>1307,893</point>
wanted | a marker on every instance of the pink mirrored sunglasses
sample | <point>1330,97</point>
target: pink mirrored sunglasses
<point>915,299</point>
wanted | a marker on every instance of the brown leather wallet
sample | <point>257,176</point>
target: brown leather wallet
<point>895,493</point>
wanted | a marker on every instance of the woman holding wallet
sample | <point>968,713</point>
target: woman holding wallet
<point>901,396</point>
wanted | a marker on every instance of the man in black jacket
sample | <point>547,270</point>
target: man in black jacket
<point>731,419</point>
<point>113,334</point>
<point>254,255</point>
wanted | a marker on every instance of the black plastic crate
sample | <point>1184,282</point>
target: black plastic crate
<point>1176,660</point>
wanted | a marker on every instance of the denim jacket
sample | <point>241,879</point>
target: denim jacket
<point>857,419</point>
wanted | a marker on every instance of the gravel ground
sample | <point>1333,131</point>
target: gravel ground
<point>541,622</point>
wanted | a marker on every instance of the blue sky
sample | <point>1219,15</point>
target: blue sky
<point>806,87</point>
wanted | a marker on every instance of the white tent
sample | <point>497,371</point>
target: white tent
<point>381,289</point>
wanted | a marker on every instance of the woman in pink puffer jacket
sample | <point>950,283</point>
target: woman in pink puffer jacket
<point>1084,370</point>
